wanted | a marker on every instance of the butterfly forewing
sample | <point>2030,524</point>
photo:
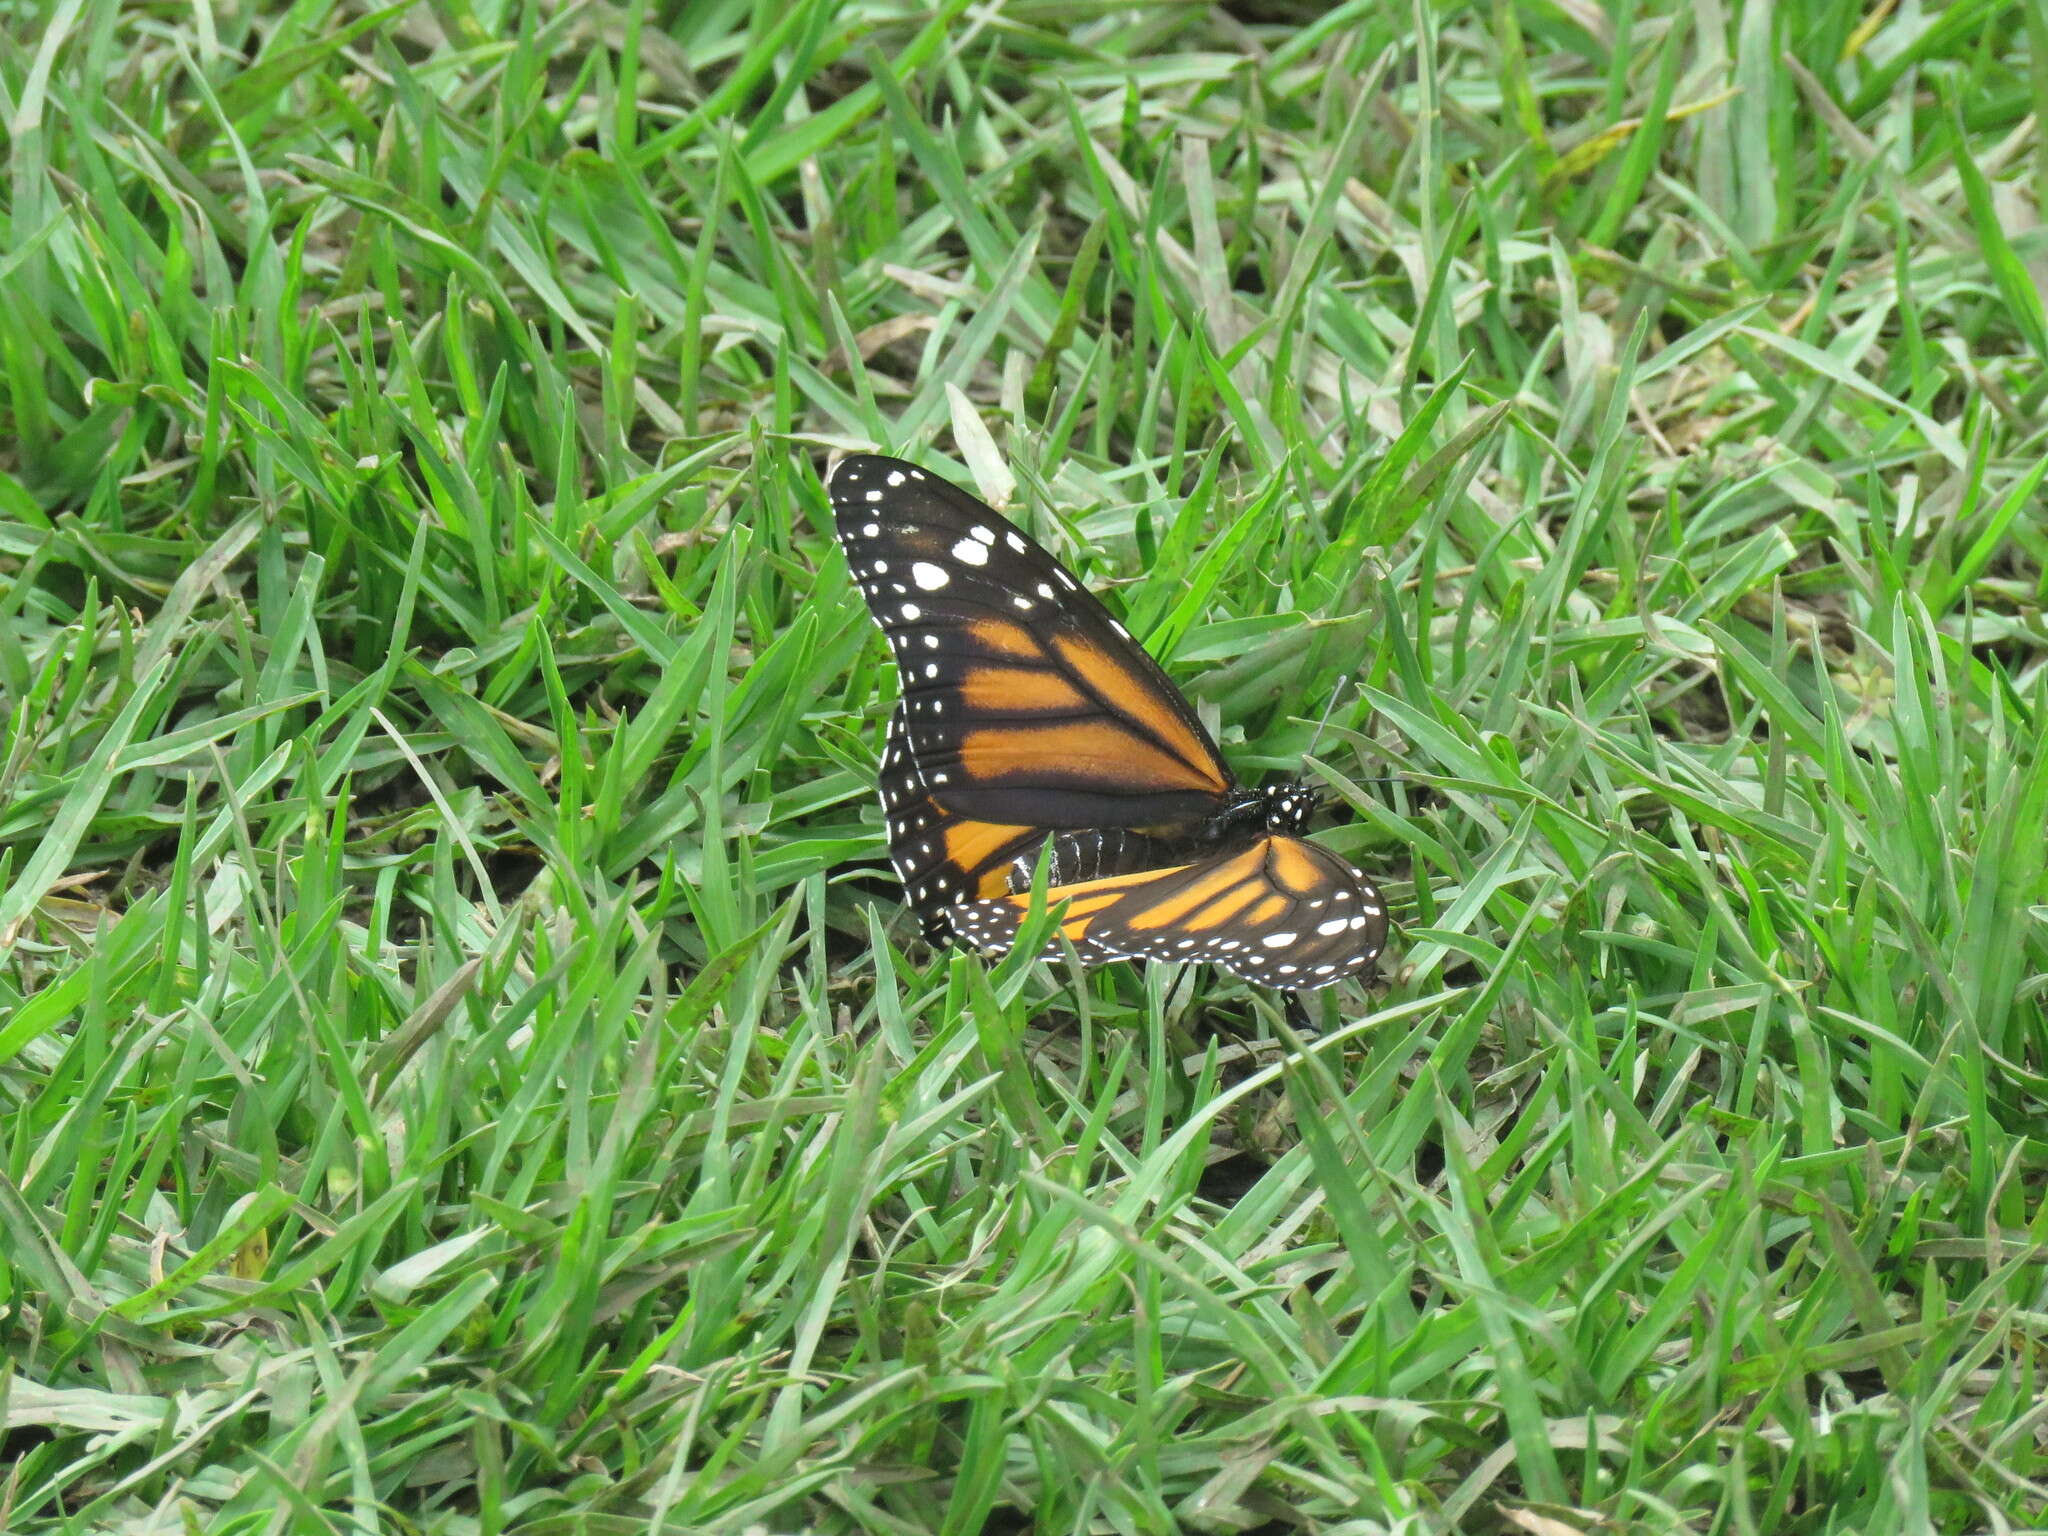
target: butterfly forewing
<point>1283,912</point>
<point>1024,702</point>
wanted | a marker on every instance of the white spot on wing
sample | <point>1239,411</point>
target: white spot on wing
<point>970,552</point>
<point>929,576</point>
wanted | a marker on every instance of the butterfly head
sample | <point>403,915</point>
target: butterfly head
<point>1287,807</point>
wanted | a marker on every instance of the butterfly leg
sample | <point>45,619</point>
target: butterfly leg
<point>1297,1013</point>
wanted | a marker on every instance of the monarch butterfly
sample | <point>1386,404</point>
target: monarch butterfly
<point>1030,716</point>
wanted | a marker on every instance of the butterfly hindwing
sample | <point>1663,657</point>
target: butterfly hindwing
<point>1024,702</point>
<point>942,857</point>
<point>1282,912</point>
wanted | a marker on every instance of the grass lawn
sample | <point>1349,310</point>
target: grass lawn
<point>464,1065</point>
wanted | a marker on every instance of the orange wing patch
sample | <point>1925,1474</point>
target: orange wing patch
<point>972,848</point>
<point>1005,639</point>
<point>1218,913</point>
<point>1081,912</point>
<point>1266,911</point>
<point>1218,879</point>
<point>1096,749</point>
<point>1001,689</point>
<point>1136,697</point>
<point>1292,867</point>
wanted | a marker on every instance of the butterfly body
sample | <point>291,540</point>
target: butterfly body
<point>1029,717</point>
<point>1096,852</point>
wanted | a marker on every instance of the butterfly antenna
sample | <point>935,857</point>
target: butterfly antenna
<point>1328,710</point>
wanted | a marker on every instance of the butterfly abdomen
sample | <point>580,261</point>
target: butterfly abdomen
<point>1095,854</point>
